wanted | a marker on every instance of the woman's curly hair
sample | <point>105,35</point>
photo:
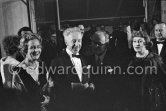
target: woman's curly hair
<point>10,44</point>
<point>24,42</point>
<point>143,34</point>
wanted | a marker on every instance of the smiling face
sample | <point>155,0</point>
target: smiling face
<point>74,42</point>
<point>139,44</point>
<point>34,49</point>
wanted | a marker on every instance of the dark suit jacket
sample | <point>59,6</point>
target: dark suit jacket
<point>64,75</point>
<point>163,51</point>
<point>108,86</point>
<point>112,60</point>
<point>33,94</point>
<point>100,74</point>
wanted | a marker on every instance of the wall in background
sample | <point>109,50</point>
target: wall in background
<point>163,11</point>
<point>13,16</point>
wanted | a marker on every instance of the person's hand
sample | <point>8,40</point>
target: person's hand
<point>89,86</point>
<point>46,100</point>
<point>79,86</point>
<point>50,82</point>
<point>85,86</point>
<point>92,86</point>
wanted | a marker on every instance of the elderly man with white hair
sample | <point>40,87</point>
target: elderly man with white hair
<point>71,74</point>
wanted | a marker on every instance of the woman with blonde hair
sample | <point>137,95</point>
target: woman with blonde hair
<point>32,73</point>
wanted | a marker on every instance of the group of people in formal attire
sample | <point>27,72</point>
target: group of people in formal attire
<point>113,77</point>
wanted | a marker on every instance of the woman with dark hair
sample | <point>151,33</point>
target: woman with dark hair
<point>10,44</point>
<point>147,74</point>
<point>24,30</point>
<point>10,80</point>
<point>20,33</point>
<point>32,73</point>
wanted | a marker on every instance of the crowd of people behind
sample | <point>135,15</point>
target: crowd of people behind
<point>85,69</point>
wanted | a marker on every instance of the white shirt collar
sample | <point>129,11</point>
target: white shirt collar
<point>70,53</point>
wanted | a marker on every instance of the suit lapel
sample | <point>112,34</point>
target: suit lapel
<point>108,57</point>
<point>72,74</point>
<point>163,51</point>
<point>67,60</point>
<point>85,71</point>
<point>155,48</point>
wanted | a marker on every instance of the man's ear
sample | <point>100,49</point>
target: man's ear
<point>65,40</point>
<point>66,43</point>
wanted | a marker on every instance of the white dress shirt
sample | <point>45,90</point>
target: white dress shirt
<point>76,63</point>
<point>159,46</point>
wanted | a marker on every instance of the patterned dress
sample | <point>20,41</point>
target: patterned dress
<point>149,82</point>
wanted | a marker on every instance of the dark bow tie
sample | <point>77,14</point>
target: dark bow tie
<point>77,56</point>
<point>158,42</point>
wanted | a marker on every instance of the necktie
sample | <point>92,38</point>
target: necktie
<point>98,61</point>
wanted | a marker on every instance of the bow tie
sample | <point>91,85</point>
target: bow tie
<point>158,42</point>
<point>77,56</point>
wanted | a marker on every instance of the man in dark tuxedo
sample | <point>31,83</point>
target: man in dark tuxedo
<point>159,43</point>
<point>71,76</point>
<point>106,73</point>
<point>0,70</point>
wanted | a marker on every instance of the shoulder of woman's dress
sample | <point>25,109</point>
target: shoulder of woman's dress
<point>22,65</point>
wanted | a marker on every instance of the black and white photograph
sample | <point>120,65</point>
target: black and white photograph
<point>82,55</point>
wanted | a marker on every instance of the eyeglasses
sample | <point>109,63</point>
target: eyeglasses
<point>98,43</point>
